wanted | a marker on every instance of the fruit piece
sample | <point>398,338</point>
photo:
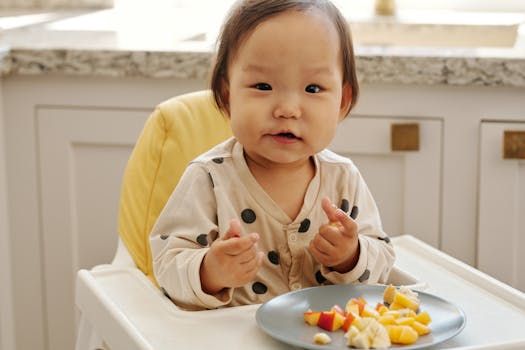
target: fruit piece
<point>330,320</point>
<point>386,320</point>
<point>406,301</point>
<point>408,335</point>
<point>381,308</point>
<point>361,341</point>
<point>368,311</point>
<point>420,328</point>
<point>348,321</point>
<point>338,309</point>
<point>367,333</point>
<point>407,321</point>
<point>322,338</point>
<point>312,317</point>
<point>350,308</point>
<point>396,306</point>
<point>402,334</point>
<point>389,293</point>
<point>423,317</point>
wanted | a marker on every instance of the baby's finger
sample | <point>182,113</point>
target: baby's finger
<point>348,225</point>
<point>329,209</point>
<point>240,245</point>
<point>234,230</point>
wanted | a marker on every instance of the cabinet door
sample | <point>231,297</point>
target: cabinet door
<point>501,216</point>
<point>82,155</point>
<point>405,184</point>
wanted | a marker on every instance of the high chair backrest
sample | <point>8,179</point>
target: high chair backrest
<point>177,131</point>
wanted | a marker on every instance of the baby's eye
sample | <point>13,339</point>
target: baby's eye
<point>312,89</point>
<point>262,86</point>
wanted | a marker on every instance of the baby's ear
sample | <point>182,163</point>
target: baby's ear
<point>225,96</point>
<point>346,101</point>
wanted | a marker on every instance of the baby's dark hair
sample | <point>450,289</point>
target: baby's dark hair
<point>245,15</point>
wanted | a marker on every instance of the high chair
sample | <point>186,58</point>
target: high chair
<point>120,304</point>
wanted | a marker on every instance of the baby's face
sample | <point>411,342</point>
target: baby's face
<point>286,92</point>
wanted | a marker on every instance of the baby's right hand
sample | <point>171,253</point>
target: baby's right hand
<point>232,260</point>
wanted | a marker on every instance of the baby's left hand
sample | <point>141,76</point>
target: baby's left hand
<point>336,245</point>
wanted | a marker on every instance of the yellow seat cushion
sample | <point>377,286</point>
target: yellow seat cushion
<point>177,131</point>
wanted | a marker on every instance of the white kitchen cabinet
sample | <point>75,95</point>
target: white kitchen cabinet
<point>501,219</point>
<point>6,309</point>
<point>405,184</point>
<point>82,155</point>
<point>68,142</point>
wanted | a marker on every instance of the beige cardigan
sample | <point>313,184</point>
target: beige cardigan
<point>218,186</point>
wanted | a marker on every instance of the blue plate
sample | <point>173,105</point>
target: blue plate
<point>282,316</point>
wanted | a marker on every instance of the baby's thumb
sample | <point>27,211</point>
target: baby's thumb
<point>234,230</point>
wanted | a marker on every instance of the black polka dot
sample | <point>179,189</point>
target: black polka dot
<point>354,212</point>
<point>273,256</point>
<point>202,239</point>
<point>305,225</point>
<point>218,160</point>
<point>319,277</point>
<point>364,277</point>
<point>386,239</point>
<point>248,216</point>
<point>164,236</point>
<point>259,288</point>
<point>345,205</point>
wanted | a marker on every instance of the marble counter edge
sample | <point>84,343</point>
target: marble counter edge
<point>372,68</point>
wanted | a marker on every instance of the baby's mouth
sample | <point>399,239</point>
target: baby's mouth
<point>287,135</point>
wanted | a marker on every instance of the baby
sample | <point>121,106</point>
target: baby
<point>271,209</point>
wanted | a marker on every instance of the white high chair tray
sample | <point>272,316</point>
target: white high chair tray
<point>128,312</point>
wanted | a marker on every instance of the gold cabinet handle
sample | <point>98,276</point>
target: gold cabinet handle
<point>513,144</point>
<point>404,136</point>
<point>385,7</point>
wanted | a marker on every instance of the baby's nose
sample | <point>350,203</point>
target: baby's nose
<point>288,107</point>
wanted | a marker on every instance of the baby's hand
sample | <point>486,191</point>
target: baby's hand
<point>336,245</point>
<point>232,260</point>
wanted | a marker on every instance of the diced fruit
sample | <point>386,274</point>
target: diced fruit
<point>381,308</point>
<point>376,327</point>
<point>350,308</point>
<point>389,293</point>
<point>331,320</point>
<point>361,341</point>
<point>406,301</point>
<point>312,317</point>
<point>348,321</point>
<point>368,311</point>
<point>405,321</point>
<point>423,317</point>
<point>386,320</point>
<point>338,309</point>
<point>367,333</point>
<point>396,306</point>
<point>402,334</point>
<point>322,338</point>
<point>420,328</point>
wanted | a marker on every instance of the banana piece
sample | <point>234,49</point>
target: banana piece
<point>368,333</point>
<point>322,338</point>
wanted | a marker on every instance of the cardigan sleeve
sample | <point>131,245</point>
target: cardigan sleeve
<point>181,237</point>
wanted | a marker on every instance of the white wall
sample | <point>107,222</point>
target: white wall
<point>7,341</point>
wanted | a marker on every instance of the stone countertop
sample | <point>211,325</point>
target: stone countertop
<point>174,45</point>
